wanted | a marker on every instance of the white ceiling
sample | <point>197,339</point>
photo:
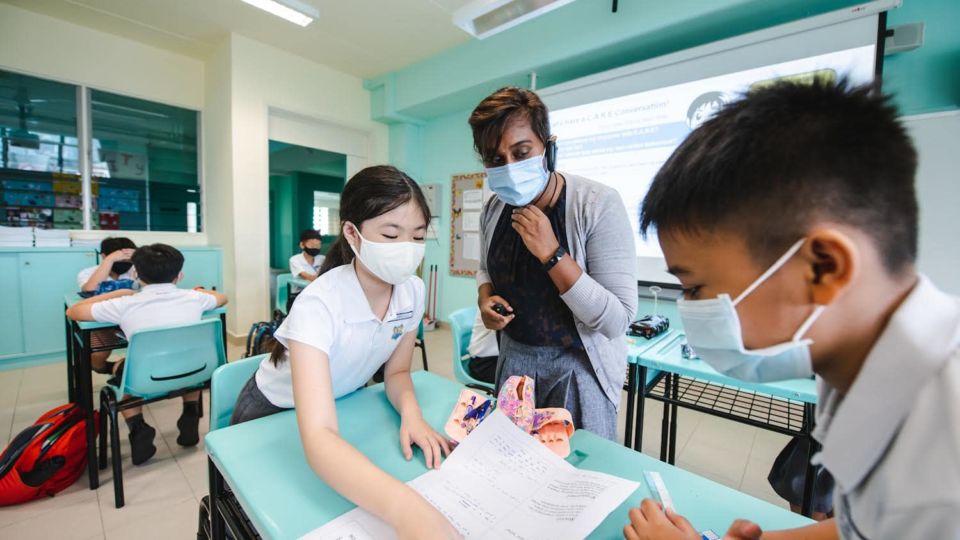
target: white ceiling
<point>362,37</point>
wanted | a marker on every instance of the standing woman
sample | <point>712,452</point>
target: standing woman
<point>557,252</point>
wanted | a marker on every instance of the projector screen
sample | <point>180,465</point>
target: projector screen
<point>619,127</point>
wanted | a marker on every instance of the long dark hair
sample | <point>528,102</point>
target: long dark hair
<point>371,192</point>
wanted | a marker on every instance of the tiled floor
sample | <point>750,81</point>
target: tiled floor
<point>162,496</point>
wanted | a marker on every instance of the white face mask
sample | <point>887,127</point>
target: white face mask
<point>393,262</point>
<point>713,330</point>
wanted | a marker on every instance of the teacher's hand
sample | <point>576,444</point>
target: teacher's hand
<point>534,229</point>
<point>491,319</point>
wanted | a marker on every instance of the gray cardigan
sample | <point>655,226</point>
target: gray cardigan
<point>604,298</point>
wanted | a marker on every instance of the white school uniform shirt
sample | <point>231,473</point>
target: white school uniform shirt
<point>893,442</point>
<point>85,274</point>
<point>483,341</point>
<point>162,304</point>
<point>298,264</point>
<point>333,315</point>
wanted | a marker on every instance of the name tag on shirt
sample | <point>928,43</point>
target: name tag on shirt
<point>402,316</point>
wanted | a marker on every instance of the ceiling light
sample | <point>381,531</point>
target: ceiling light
<point>295,11</point>
<point>483,18</point>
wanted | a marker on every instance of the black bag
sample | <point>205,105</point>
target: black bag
<point>260,337</point>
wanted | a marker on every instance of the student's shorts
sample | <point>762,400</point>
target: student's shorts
<point>252,404</point>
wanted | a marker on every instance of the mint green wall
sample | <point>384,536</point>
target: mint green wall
<point>427,104</point>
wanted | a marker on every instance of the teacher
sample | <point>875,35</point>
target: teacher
<point>557,253</point>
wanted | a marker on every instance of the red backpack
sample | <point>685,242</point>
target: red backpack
<point>44,458</point>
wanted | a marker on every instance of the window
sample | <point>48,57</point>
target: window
<point>326,213</point>
<point>144,159</point>
<point>144,163</point>
<point>39,161</point>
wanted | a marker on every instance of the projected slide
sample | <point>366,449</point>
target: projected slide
<point>623,142</point>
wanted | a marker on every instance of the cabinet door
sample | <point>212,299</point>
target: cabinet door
<point>11,322</point>
<point>202,268</point>
<point>46,278</point>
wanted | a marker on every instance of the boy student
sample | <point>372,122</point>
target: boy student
<point>790,218</point>
<point>158,303</point>
<point>306,264</point>
<point>114,265</point>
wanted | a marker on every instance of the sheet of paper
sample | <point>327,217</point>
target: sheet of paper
<point>471,246</point>
<point>470,221</point>
<point>502,483</point>
<point>472,199</point>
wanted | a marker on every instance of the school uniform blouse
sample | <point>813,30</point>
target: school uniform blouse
<point>333,315</point>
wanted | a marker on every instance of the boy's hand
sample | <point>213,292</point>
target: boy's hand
<point>414,429</point>
<point>743,530</point>
<point>649,522</point>
<point>119,255</point>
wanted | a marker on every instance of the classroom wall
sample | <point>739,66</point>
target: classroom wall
<point>428,103</point>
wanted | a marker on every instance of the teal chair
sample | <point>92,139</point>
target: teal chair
<point>162,363</point>
<point>461,326</point>
<point>283,292</point>
<point>225,386</point>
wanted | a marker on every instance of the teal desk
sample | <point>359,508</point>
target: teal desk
<point>785,407</point>
<point>83,339</point>
<point>262,462</point>
<point>636,346</point>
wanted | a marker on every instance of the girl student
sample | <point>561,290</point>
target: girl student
<point>362,312</point>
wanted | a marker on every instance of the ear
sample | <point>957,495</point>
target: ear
<point>351,233</point>
<point>179,278</point>
<point>832,262</point>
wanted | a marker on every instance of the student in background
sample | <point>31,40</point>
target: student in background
<point>306,264</point>
<point>483,351</point>
<point>361,313</point>
<point>790,219</point>
<point>158,303</point>
<point>114,265</point>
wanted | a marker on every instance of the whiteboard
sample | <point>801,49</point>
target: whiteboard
<point>937,138</point>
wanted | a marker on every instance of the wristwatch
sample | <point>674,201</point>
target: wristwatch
<point>547,266</point>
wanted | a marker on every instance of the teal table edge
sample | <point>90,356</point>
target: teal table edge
<point>263,463</point>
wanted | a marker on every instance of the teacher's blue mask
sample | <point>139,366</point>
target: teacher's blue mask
<point>519,183</point>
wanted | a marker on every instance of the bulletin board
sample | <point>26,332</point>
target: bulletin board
<point>466,201</point>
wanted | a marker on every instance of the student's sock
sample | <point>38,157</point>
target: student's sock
<point>189,424</point>
<point>141,439</point>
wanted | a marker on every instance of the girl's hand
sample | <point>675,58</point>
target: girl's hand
<point>650,522</point>
<point>534,229</point>
<point>414,429</point>
<point>427,523</point>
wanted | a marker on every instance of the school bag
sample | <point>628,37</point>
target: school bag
<point>46,457</point>
<point>260,336</point>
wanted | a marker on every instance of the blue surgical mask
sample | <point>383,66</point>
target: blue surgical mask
<point>713,330</point>
<point>519,183</point>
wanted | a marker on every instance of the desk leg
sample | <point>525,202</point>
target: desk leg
<point>641,402</point>
<point>674,388</point>
<point>665,422</point>
<point>631,400</point>
<point>217,525</point>
<point>223,329</point>
<point>71,365</point>
<point>85,395</point>
<point>809,479</point>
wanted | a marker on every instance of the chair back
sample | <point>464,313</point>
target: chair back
<point>168,358</point>
<point>461,327</point>
<point>280,302</point>
<point>225,386</point>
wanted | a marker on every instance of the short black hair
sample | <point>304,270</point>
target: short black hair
<point>157,263</point>
<point>310,234</point>
<point>769,164</point>
<point>492,116</point>
<point>110,244</point>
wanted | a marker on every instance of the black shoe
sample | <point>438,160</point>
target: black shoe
<point>141,443</point>
<point>189,426</point>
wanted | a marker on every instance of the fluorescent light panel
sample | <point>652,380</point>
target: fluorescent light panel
<point>484,18</point>
<point>295,11</point>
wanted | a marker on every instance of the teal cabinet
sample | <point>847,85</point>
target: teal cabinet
<point>11,320</point>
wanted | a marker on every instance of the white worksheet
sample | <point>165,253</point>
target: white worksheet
<point>471,221</point>
<point>502,483</point>
<point>473,199</point>
<point>471,246</point>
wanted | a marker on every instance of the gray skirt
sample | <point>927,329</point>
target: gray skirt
<point>564,378</point>
<point>252,404</point>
